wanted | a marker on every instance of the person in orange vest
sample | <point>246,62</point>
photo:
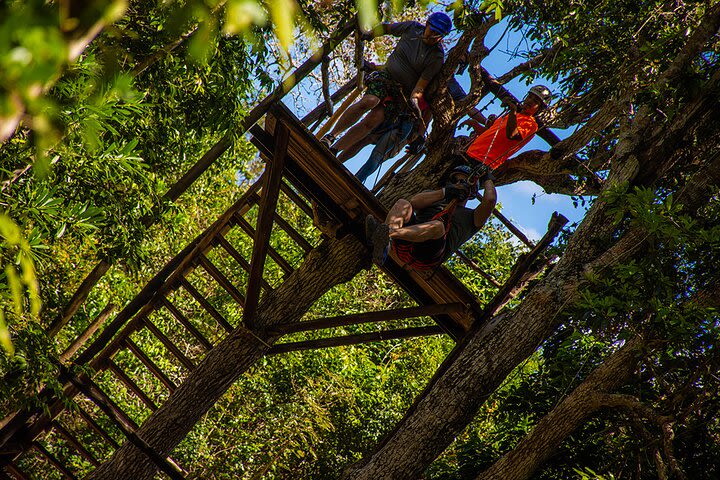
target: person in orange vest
<point>507,134</point>
<point>426,230</point>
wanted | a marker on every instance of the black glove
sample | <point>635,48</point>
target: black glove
<point>456,191</point>
<point>416,146</point>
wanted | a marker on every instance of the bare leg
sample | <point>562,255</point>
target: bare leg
<point>361,130</point>
<point>419,233</point>
<point>349,153</point>
<point>353,113</point>
<point>399,214</point>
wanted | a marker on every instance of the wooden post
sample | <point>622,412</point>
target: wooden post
<point>70,438</point>
<point>94,426</point>
<point>239,258</point>
<point>172,348</point>
<point>277,258</point>
<point>476,268</point>
<point>271,189</point>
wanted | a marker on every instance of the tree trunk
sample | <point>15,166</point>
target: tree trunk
<point>329,264</point>
<point>542,442</point>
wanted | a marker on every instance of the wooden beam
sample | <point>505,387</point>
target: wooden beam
<point>274,254</point>
<point>370,317</point>
<point>296,199</point>
<point>476,268</point>
<point>220,278</point>
<point>206,305</point>
<point>16,472</point>
<point>172,348</point>
<point>150,364</point>
<point>292,233</point>
<point>53,461</point>
<point>222,241</point>
<point>92,328</point>
<point>94,426</point>
<point>124,423</point>
<point>187,324</point>
<point>261,242</point>
<point>70,438</point>
<point>557,222</point>
<point>131,385</point>
<point>357,339</point>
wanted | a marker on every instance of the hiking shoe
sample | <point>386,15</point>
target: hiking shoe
<point>381,243</point>
<point>371,224</point>
<point>328,141</point>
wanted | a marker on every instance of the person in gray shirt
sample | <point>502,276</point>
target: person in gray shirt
<point>416,59</point>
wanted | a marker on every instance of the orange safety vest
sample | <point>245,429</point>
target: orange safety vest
<point>493,148</point>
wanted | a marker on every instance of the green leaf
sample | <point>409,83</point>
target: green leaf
<point>5,339</point>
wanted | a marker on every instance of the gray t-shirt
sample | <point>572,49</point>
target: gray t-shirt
<point>462,228</point>
<point>412,58</point>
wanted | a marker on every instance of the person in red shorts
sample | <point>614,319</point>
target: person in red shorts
<point>426,230</point>
<point>508,133</point>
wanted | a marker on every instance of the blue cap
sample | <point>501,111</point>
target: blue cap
<point>440,23</point>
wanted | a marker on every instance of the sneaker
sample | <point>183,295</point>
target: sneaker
<point>328,140</point>
<point>381,243</point>
<point>371,224</point>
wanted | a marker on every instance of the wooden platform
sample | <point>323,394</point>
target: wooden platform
<point>312,169</point>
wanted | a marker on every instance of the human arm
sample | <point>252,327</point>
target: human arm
<point>487,204</point>
<point>378,31</point>
<point>511,130</point>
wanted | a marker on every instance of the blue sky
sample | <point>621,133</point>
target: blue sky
<point>516,200</point>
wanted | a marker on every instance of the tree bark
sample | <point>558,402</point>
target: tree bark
<point>542,442</point>
<point>329,264</point>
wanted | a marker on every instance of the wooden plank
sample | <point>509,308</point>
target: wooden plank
<point>150,364</point>
<point>108,342</point>
<point>206,305</point>
<point>79,297</point>
<point>370,317</point>
<point>281,262</point>
<point>557,222</point>
<point>292,233</point>
<point>268,203</point>
<point>131,385</point>
<point>92,328</point>
<point>70,438</point>
<point>296,199</point>
<point>53,461</point>
<point>476,268</point>
<point>16,472</point>
<point>222,241</point>
<point>218,276</point>
<point>172,348</point>
<point>92,423</point>
<point>357,339</point>
<point>125,424</point>
<point>187,324</point>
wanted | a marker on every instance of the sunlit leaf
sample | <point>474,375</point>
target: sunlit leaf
<point>282,13</point>
<point>240,15</point>
<point>5,339</point>
<point>367,14</point>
